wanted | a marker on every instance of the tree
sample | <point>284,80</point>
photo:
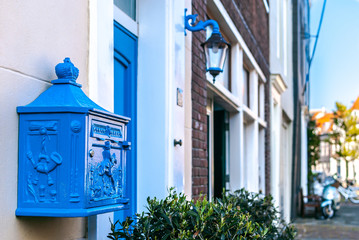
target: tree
<point>313,150</point>
<point>345,136</point>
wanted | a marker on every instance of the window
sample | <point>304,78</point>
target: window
<point>260,99</point>
<point>246,87</point>
<point>220,150</point>
<point>127,6</point>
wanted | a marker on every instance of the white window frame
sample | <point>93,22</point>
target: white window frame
<point>241,114</point>
<point>210,150</point>
<point>126,21</point>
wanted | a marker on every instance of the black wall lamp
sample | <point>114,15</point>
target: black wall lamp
<point>215,48</point>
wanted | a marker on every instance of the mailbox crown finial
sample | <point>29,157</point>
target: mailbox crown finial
<point>64,96</point>
<point>67,70</point>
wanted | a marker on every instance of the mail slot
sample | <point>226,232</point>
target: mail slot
<point>72,153</point>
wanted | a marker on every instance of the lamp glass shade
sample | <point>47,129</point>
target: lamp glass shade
<point>216,49</point>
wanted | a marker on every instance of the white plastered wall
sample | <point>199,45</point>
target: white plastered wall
<point>304,151</point>
<point>161,70</point>
<point>35,36</point>
<point>287,96</point>
<point>45,33</point>
<point>188,110</point>
<point>280,17</point>
<point>275,145</point>
<point>101,83</point>
<point>152,102</point>
<point>176,77</point>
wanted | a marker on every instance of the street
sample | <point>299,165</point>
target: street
<point>344,225</point>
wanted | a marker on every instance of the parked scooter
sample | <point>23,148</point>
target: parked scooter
<point>350,192</point>
<point>330,198</point>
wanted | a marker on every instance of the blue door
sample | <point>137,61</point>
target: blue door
<point>125,84</point>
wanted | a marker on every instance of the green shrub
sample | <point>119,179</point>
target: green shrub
<point>241,215</point>
<point>262,211</point>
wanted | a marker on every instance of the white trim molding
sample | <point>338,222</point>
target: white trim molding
<point>123,19</point>
<point>220,12</point>
<point>278,83</point>
<point>225,97</point>
<point>266,5</point>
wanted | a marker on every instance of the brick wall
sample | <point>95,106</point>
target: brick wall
<point>252,22</point>
<point>199,104</point>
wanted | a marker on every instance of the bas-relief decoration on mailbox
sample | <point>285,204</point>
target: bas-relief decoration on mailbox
<point>105,175</point>
<point>72,153</point>
<point>41,185</point>
<point>75,128</point>
<point>101,131</point>
<point>106,161</point>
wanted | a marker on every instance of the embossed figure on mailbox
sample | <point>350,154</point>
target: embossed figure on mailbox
<point>72,153</point>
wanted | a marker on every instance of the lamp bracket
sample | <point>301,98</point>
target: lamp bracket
<point>193,27</point>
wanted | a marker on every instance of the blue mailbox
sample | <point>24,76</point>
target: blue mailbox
<point>72,153</point>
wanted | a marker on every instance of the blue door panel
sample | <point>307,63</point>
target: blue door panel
<point>122,72</point>
<point>125,95</point>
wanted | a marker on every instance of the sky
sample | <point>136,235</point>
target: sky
<point>334,74</point>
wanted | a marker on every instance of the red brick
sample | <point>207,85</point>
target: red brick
<point>200,163</point>
<point>252,21</point>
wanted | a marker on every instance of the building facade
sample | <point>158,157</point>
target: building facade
<point>327,163</point>
<point>300,66</point>
<point>281,47</point>
<point>230,118</point>
<point>131,62</point>
<point>135,60</point>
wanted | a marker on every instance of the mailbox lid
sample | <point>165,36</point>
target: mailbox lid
<point>61,98</point>
<point>65,95</point>
<point>106,160</point>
